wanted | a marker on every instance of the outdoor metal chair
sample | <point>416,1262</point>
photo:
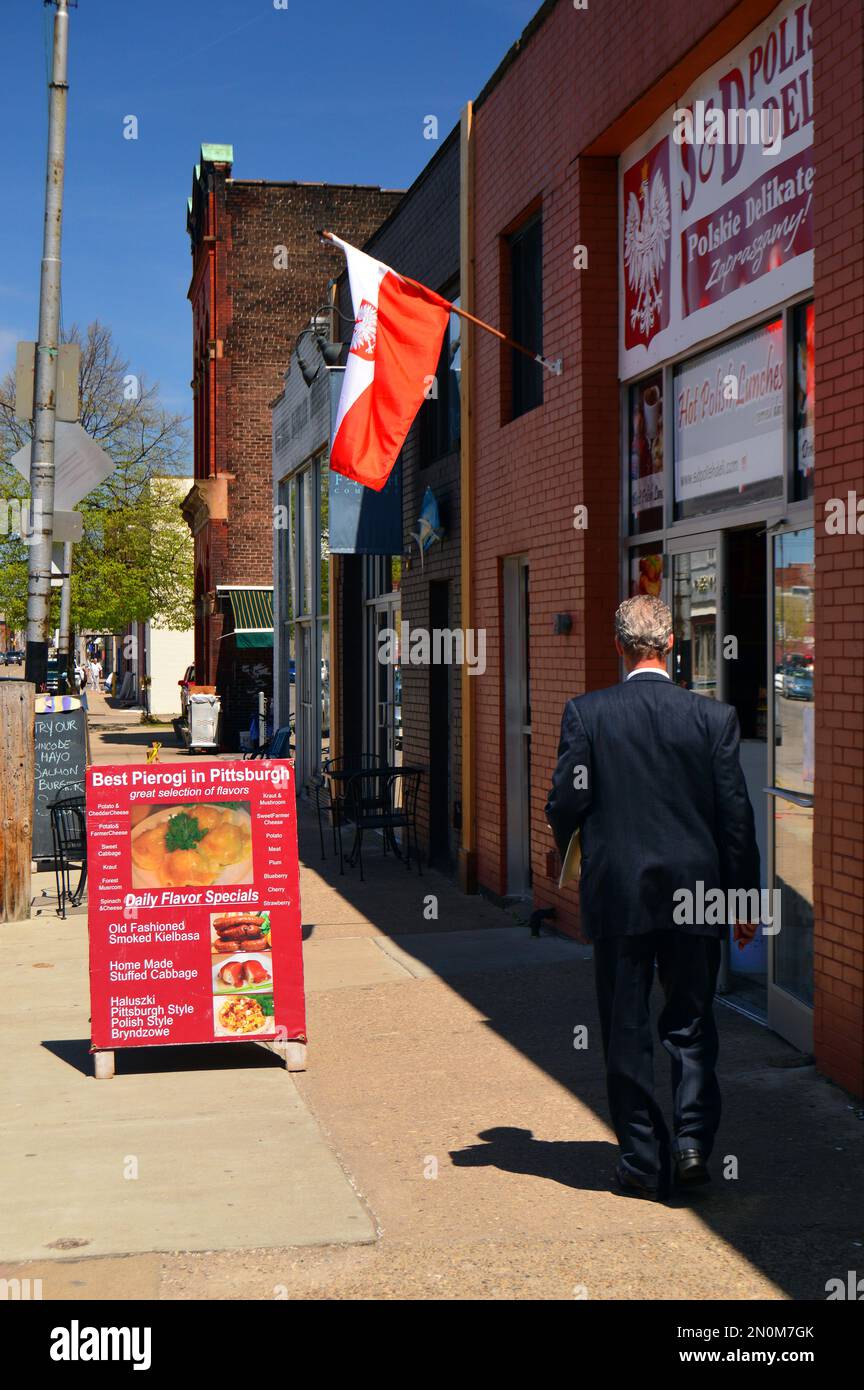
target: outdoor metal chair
<point>330,797</point>
<point>329,805</point>
<point>390,807</point>
<point>69,833</point>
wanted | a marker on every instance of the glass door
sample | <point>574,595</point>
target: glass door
<point>790,793</point>
<point>695,564</point>
<point>719,616</point>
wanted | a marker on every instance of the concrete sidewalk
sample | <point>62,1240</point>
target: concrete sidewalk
<point>447,1141</point>
<point>117,734</point>
<point>184,1151</point>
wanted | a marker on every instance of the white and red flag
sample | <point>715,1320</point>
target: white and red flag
<point>398,330</point>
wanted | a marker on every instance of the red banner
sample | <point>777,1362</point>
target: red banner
<point>194,894</point>
<point>766,225</point>
<point>647,246</point>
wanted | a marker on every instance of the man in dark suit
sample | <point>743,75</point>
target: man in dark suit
<point>650,774</point>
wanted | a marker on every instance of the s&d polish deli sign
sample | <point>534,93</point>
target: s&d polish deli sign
<point>716,199</point>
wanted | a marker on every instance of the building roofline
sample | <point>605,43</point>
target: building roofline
<point>425,173</point>
<point>311,183</point>
<point>516,49</point>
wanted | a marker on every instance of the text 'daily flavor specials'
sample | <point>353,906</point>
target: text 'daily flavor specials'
<point>194,909</point>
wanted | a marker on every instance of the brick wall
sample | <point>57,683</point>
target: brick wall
<point>838,866</point>
<point>549,127</point>
<point>253,318</point>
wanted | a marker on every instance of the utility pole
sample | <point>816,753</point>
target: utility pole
<point>45,383</point>
<point>65,662</point>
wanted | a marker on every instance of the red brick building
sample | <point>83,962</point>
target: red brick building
<point>259,271</point>
<point>572,147</point>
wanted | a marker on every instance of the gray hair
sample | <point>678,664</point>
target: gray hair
<point>643,626</point>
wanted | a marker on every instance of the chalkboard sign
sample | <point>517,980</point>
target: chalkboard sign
<point>60,767</point>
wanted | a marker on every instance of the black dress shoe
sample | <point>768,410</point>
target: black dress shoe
<point>630,1186</point>
<point>690,1168</point>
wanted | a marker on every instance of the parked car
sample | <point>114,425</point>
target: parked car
<point>13,658</point>
<point>794,678</point>
<point>798,684</point>
<point>184,684</point>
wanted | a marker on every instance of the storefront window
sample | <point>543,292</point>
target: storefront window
<point>794,659</point>
<point>804,395</point>
<point>646,571</point>
<point>646,454</point>
<point>729,426</point>
<point>325,690</point>
<point>287,534</point>
<point>795,719</point>
<point>308,542</point>
<point>324,591</point>
<point>292,547</point>
<point>309,642</point>
<point>324,604</point>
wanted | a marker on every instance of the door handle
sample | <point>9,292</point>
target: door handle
<point>797,798</point>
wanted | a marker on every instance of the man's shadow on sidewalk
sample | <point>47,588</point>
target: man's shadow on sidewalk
<point>586,1166</point>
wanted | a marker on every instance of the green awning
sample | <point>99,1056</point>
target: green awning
<point>252,614</point>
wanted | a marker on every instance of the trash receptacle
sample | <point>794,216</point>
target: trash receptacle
<point>203,725</point>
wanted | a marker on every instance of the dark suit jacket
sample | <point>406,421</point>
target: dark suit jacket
<point>663,803</point>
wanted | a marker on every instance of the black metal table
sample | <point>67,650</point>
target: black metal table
<point>365,799</point>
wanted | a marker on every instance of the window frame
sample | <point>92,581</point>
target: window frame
<point>784,509</point>
<point>435,440</point>
<point>520,397</point>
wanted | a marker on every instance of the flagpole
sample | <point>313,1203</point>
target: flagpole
<point>553,365</point>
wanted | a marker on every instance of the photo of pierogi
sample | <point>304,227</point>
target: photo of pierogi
<point>192,846</point>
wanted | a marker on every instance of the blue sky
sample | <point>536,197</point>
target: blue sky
<point>333,91</point>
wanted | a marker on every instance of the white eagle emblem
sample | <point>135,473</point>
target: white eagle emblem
<point>365,330</point>
<point>645,238</point>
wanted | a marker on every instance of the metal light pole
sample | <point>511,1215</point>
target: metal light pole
<point>45,383</point>
<point>64,651</point>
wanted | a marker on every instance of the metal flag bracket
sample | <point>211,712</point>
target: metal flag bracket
<point>555,365</point>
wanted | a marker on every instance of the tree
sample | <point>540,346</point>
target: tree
<point>135,560</point>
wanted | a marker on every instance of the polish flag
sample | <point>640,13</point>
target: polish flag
<point>398,330</point>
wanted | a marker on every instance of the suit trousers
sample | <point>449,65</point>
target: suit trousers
<point>687,969</point>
